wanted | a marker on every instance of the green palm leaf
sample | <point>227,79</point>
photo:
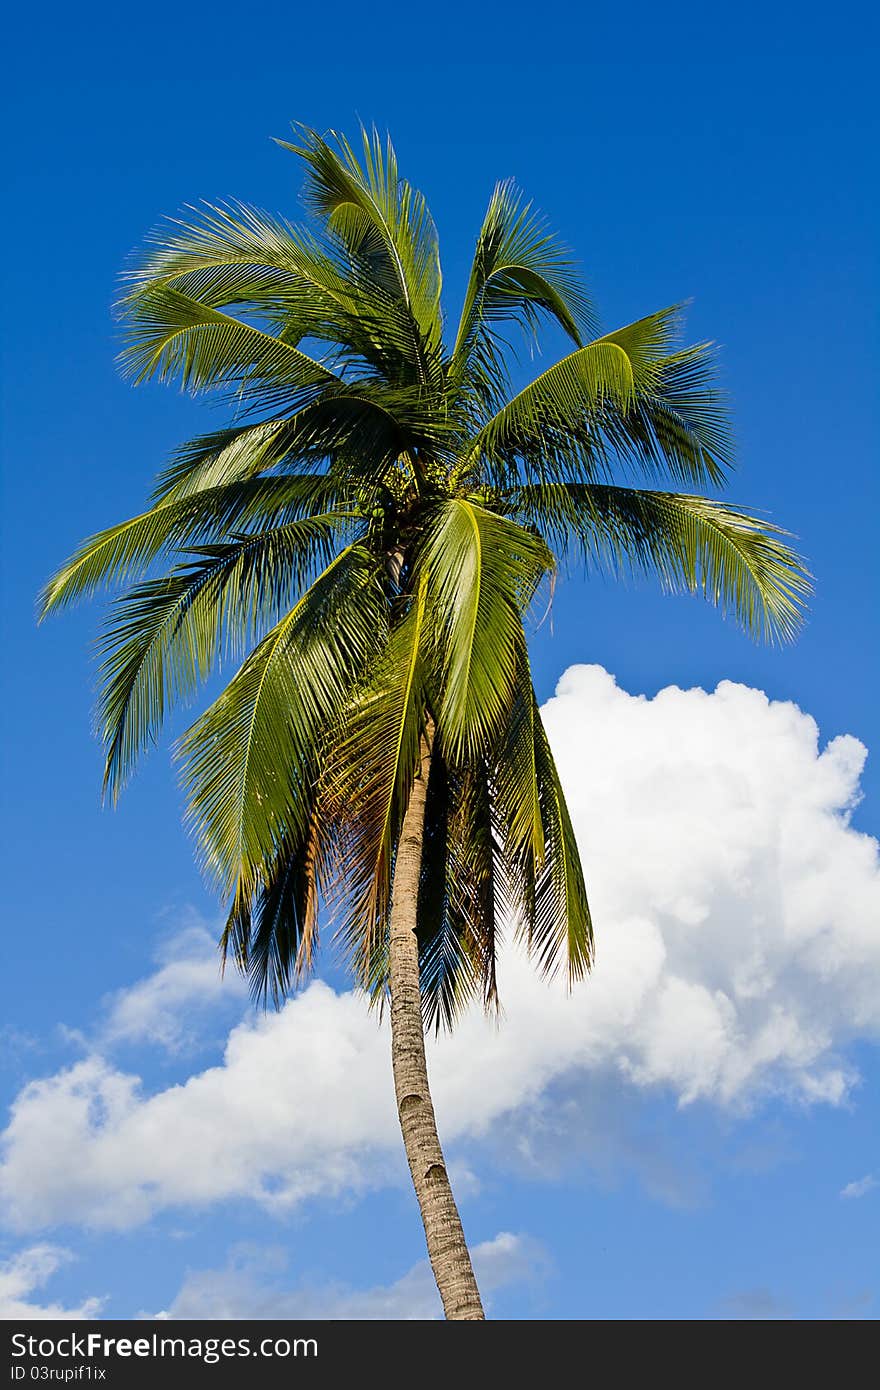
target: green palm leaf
<point>482,572</point>
<point>250,762</point>
<point>226,456</point>
<point>458,901</point>
<point>165,635</point>
<point>236,254</point>
<point>214,513</point>
<point>519,271</point>
<point>549,421</point>
<point>170,335</point>
<point>693,544</point>
<point>384,224</point>
<point>367,781</point>
<point>272,932</point>
<point>561,930</point>
<point>677,421</point>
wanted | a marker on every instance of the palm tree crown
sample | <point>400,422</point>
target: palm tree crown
<point>368,534</point>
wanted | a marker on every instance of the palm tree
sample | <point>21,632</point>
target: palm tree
<point>369,533</point>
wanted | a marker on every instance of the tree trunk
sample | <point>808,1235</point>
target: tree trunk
<point>449,1255</point>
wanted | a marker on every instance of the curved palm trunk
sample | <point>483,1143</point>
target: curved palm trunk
<point>447,1249</point>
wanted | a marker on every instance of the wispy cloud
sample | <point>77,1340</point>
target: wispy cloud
<point>755,1305</point>
<point>170,1007</point>
<point>861,1188</point>
<point>250,1286</point>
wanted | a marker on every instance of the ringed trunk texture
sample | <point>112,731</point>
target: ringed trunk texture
<point>447,1249</point>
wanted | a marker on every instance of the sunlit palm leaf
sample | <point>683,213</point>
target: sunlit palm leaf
<point>552,420</point>
<point>384,223</point>
<point>126,551</point>
<point>250,761</point>
<point>519,271</point>
<point>171,336</point>
<point>165,635</point>
<point>692,544</point>
<point>236,254</point>
<point>226,456</point>
<point>561,933</point>
<point>677,421</point>
<point>482,571</point>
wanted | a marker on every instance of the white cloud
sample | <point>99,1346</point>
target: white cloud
<point>248,1287</point>
<point>738,950</point>
<point>29,1270</point>
<point>167,1007</point>
<point>860,1188</point>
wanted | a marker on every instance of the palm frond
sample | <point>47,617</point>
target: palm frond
<point>250,761</point>
<point>216,513</point>
<point>561,931</point>
<point>678,420</point>
<point>383,222</point>
<point>272,933</point>
<point>233,253</point>
<point>693,544</point>
<point>228,455</point>
<point>629,398</point>
<point>483,571</point>
<point>171,336</point>
<point>458,907</point>
<point>519,271</point>
<point>367,781</point>
<point>164,636</point>
<point>515,789</point>
<point>555,419</point>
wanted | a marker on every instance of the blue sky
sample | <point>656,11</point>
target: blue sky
<point>726,161</point>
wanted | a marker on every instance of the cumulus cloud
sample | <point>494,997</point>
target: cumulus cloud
<point>249,1287</point>
<point>860,1188</point>
<point>738,951</point>
<point>168,1007</point>
<point>29,1270</point>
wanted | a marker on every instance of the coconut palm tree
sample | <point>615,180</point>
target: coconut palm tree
<point>369,532</point>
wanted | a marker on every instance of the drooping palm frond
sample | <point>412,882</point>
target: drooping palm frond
<point>447,973</point>
<point>678,420</point>
<point>482,573</point>
<point>237,254</point>
<point>366,785</point>
<point>272,932</point>
<point>212,514</point>
<point>553,425</point>
<point>539,876</point>
<point>561,932</point>
<point>298,285</point>
<point>171,336</point>
<point>459,930</point>
<point>693,544</point>
<point>225,456</point>
<point>629,398</point>
<point>250,761</point>
<point>165,635</point>
<point>515,789</point>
